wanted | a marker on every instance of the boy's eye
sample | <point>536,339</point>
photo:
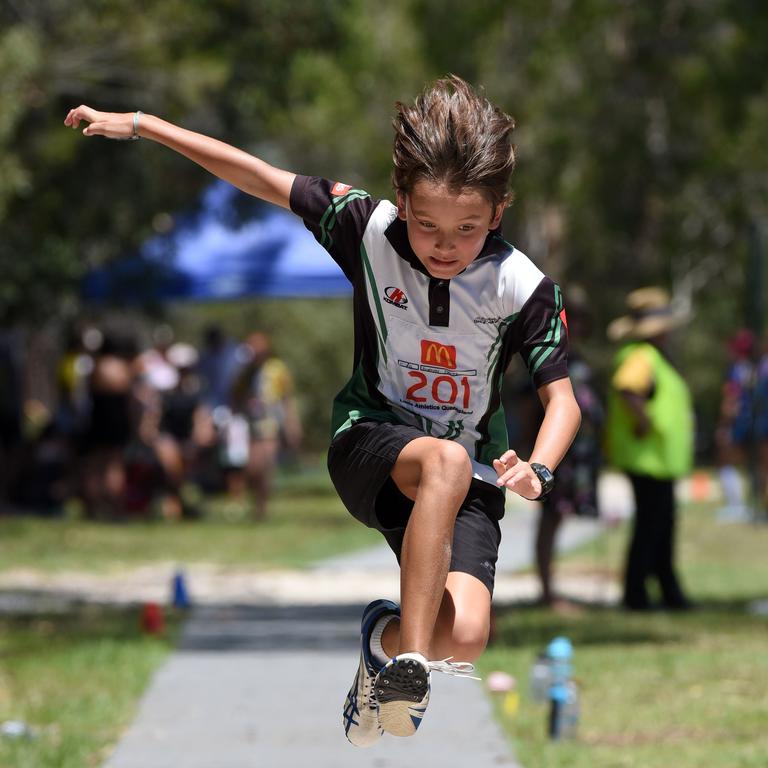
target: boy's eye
<point>427,224</point>
<point>466,227</point>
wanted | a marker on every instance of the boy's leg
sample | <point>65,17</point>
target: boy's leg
<point>442,613</point>
<point>436,475</point>
<point>402,687</point>
<point>414,489</point>
<point>463,621</point>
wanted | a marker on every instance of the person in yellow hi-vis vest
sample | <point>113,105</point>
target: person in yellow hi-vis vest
<point>649,435</point>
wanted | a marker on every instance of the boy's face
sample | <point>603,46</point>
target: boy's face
<point>446,230</point>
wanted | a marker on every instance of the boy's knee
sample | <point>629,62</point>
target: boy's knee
<point>449,461</point>
<point>469,637</point>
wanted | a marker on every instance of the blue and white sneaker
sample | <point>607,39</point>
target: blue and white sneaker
<point>361,708</point>
<point>402,690</point>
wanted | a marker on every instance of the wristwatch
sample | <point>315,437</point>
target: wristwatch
<point>546,478</point>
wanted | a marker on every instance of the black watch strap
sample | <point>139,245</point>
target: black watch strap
<point>546,478</point>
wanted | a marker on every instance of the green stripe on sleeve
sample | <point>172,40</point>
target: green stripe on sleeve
<point>328,219</point>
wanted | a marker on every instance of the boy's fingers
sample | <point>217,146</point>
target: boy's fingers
<point>505,462</point>
<point>503,472</point>
<point>509,476</point>
<point>74,116</point>
<point>516,481</point>
<point>97,129</point>
<point>518,477</point>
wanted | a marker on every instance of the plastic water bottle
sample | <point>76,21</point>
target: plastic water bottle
<point>560,653</point>
<point>541,678</point>
<point>569,715</point>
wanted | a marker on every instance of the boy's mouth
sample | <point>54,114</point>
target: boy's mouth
<point>443,262</point>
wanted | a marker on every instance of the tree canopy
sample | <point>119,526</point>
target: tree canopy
<point>641,130</point>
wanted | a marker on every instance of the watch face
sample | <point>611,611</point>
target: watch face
<point>545,476</point>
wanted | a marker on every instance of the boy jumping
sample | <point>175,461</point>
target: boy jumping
<point>441,304</point>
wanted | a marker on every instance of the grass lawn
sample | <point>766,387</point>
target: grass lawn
<point>75,679</point>
<point>306,523</point>
<point>658,690</point>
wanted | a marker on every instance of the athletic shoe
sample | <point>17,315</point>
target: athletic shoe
<point>402,689</point>
<point>361,708</point>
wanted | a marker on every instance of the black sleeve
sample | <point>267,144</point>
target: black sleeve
<point>336,214</point>
<point>544,334</point>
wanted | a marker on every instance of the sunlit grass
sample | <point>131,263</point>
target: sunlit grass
<point>306,523</point>
<point>75,680</point>
<point>657,689</point>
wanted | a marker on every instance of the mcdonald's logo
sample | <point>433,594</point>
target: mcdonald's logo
<point>435,353</point>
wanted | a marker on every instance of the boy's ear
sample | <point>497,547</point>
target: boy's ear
<point>497,214</point>
<point>401,205</point>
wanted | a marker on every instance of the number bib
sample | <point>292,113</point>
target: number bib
<point>437,374</point>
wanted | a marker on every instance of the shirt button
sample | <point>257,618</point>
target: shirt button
<point>439,310</point>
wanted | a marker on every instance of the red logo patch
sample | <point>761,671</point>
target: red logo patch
<point>396,296</point>
<point>437,354</point>
<point>564,318</point>
<point>340,189</point>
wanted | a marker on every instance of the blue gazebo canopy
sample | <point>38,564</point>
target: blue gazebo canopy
<point>233,246</point>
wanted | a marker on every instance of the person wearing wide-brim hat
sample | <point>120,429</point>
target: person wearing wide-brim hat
<point>651,315</point>
<point>649,435</point>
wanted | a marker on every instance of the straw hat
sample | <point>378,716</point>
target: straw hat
<point>651,313</point>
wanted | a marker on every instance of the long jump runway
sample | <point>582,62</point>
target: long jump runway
<point>264,686</point>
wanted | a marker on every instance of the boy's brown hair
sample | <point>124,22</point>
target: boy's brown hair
<point>454,136</point>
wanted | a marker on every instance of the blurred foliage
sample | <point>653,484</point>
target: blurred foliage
<point>640,140</point>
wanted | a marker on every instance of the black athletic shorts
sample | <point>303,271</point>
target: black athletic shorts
<point>360,461</point>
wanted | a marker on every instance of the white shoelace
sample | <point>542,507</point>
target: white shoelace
<point>454,668</point>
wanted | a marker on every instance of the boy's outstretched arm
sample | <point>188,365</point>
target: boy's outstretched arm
<point>562,418</point>
<point>244,171</point>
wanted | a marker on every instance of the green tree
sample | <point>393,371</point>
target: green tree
<point>67,204</point>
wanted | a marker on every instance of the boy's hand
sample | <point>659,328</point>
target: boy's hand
<point>517,475</point>
<point>113,125</point>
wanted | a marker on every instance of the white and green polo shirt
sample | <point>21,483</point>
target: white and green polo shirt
<point>431,352</point>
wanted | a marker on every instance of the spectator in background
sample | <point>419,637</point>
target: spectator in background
<point>156,371</point>
<point>760,445</point>
<point>11,407</point>
<point>762,426</point>
<point>72,373</point>
<point>736,422</point>
<point>110,426</point>
<point>223,461</point>
<point>185,427</point>
<point>217,367</point>
<point>575,490</point>
<point>263,394</point>
<point>650,437</point>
